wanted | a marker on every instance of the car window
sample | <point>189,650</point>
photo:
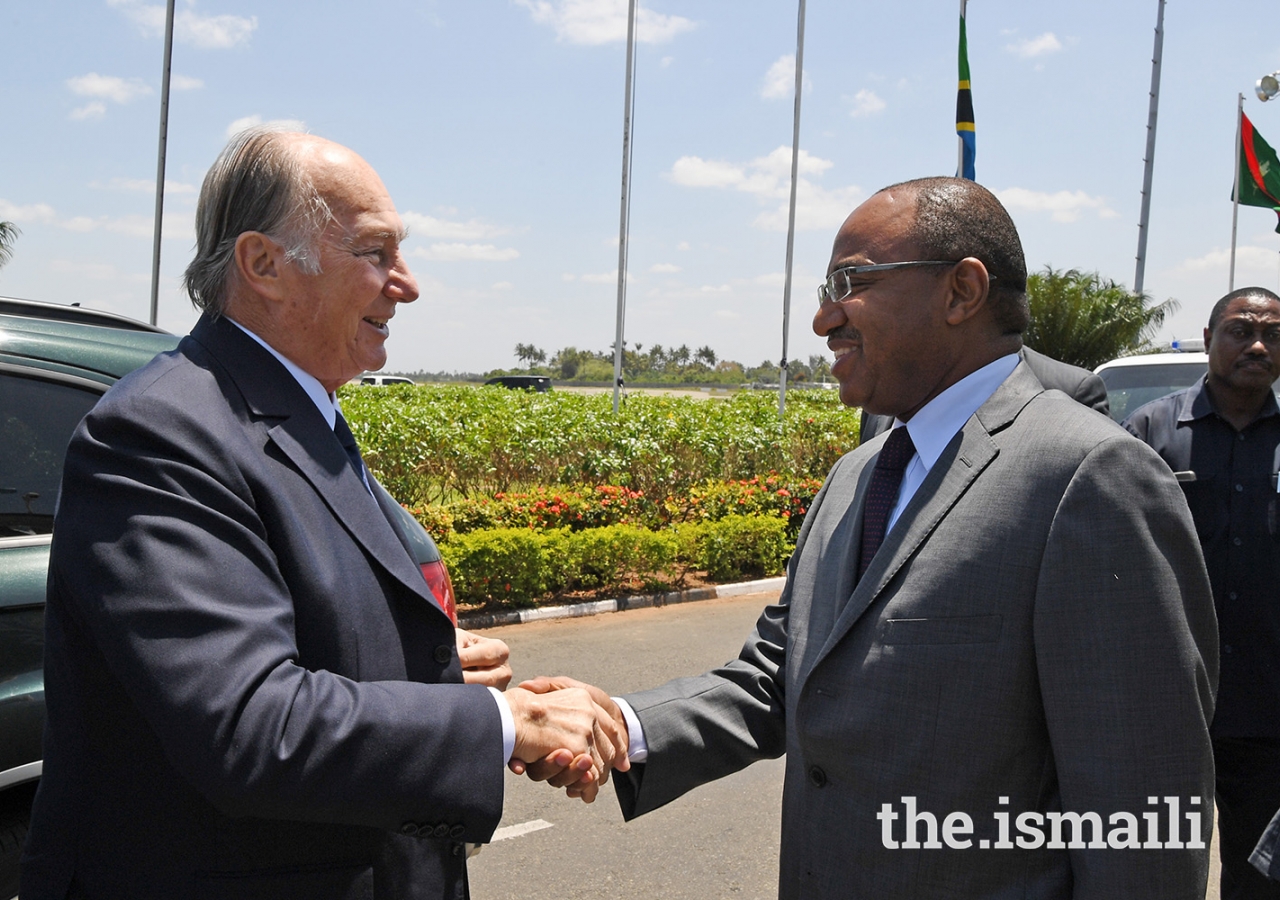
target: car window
<point>37,418</point>
<point>1129,387</point>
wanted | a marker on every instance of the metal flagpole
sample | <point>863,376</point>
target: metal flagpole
<point>1235,194</point>
<point>1148,162</point>
<point>164,140</point>
<point>791,212</point>
<point>625,214</point>
<point>959,139</point>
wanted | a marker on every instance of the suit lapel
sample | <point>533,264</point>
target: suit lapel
<point>302,434</point>
<point>966,457</point>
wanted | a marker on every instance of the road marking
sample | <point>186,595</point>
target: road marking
<point>514,831</point>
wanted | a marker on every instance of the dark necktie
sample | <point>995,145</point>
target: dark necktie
<point>348,441</point>
<point>882,493</point>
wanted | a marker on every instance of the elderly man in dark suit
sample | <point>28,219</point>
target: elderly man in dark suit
<point>1079,384</point>
<point>992,667</point>
<point>252,692</point>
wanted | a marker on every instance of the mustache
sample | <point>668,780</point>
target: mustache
<point>845,332</point>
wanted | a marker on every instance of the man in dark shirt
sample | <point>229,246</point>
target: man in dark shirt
<point>1221,437</point>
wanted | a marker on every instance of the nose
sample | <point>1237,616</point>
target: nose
<point>828,318</point>
<point>401,286</point>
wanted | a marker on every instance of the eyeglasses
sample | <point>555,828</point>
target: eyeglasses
<point>839,284</point>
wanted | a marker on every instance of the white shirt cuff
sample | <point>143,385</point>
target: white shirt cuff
<point>508,724</point>
<point>637,746</point>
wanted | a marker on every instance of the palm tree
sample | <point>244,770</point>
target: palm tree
<point>8,234</point>
<point>1085,319</point>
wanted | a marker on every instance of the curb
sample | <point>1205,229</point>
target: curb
<point>621,604</point>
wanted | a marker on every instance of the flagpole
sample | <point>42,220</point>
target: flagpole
<point>625,214</point>
<point>1235,194</point>
<point>164,140</point>
<point>791,211</point>
<point>959,140</point>
<point>1148,162</point>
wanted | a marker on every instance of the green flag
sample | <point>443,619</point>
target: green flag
<point>1259,176</point>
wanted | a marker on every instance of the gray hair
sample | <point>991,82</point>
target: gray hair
<point>257,183</point>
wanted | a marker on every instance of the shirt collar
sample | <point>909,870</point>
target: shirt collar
<point>1198,403</point>
<point>325,402</point>
<point>937,422</point>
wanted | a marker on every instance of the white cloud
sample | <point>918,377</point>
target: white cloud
<point>184,83</point>
<point>145,186</point>
<point>95,110</point>
<point>603,21</point>
<point>1064,206</point>
<point>602,277</point>
<point>108,87</point>
<point>768,178</point>
<point>502,286</point>
<point>1029,48</point>
<point>780,81</point>
<point>35,212</point>
<point>471,230</point>
<point>683,245</point>
<point>716,289</point>
<point>1247,257</point>
<point>189,26</point>
<point>866,103</point>
<point>664,268</point>
<point>250,121</point>
<point>454,252</point>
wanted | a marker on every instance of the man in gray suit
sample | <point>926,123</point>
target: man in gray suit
<point>1010,695</point>
<point>1079,384</point>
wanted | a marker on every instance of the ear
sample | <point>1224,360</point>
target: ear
<point>1208,339</point>
<point>969,287</point>
<point>260,263</point>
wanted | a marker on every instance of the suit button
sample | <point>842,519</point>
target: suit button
<point>409,829</point>
<point>441,831</point>
<point>457,831</point>
<point>444,653</point>
<point>459,849</point>
<point>817,777</point>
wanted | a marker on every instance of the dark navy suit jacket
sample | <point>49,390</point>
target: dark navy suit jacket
<point>251,692</point>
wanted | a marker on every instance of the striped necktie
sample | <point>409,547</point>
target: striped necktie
<point>348,441</point>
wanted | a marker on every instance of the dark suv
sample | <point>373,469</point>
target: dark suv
<point>55,362</point>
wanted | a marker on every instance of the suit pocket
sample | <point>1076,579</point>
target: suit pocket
<point>329,883</point>
<point>942,630</point>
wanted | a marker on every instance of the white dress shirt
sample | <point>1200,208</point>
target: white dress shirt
<point>931,429</point>
<point>327,403</point>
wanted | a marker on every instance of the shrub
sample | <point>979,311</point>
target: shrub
<point>737,547</point>
<point>612,557</point>
<point>430,444</point>
<point>508,565</point>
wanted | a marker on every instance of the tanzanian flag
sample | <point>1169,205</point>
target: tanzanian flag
<point>964,113</point>
<point>1259,176</point>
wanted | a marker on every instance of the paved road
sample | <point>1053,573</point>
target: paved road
<point>719,841</point>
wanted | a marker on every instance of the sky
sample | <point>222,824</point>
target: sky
<point>497,127</point>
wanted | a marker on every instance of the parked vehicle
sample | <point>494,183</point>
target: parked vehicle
<point>1136,380</point>
<point>539,383</point>
<point>385,379</point>
<point>55,363</point>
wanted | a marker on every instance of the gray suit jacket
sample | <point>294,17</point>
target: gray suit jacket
<point>1036,634</point>
<point>1079,384</point>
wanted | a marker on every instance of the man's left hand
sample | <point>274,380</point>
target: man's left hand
<point>484,660</point>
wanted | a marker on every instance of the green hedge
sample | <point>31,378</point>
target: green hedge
<point>517,567</point>
<point>431,444</point>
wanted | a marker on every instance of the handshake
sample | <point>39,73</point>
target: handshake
<point>568,733</point>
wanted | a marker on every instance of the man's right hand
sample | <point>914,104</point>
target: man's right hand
<point>569,726</point>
